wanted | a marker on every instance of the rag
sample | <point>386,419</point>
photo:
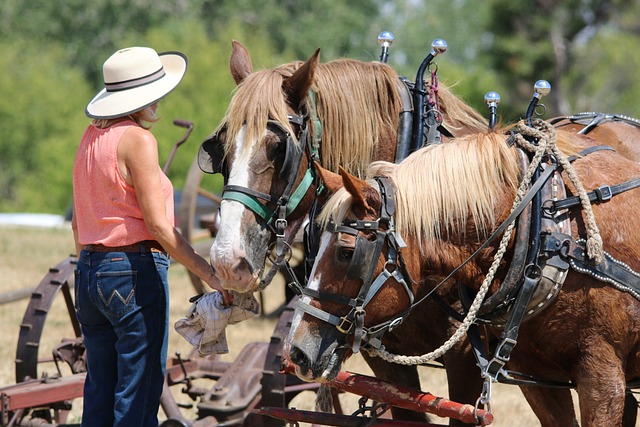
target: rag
<point>206,320</point>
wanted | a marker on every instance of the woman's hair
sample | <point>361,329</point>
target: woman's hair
<point>145,118</point>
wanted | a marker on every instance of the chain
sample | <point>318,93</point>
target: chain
<point>433,99</point>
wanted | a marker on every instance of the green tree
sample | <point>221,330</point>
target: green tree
<point>461,23</point>
<point>41,120</point>
<point>561,41</point>
<point>53,56</point>
<point>300,26</point>
<point>87,29</point>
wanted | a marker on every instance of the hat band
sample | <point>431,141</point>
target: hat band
<point>133,83</point>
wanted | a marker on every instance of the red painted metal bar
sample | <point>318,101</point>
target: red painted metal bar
<point>321,418</point>
<point>403,397</point>
<point>32,394</point>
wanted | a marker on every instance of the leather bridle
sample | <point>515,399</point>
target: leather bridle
<point>362,267</point>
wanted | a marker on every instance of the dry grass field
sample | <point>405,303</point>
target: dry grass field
<point>26,254</point>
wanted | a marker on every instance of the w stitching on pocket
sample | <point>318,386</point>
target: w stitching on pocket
<point>125,301</point>
<point>108,284</point>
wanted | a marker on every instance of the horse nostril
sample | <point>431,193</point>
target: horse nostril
<point>248,265</point>
<point>299,358</point>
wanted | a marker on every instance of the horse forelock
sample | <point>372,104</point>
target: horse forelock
<point>335,209</point>
<point>440,188</point>
<point>257,99</point>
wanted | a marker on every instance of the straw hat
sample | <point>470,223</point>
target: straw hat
<point>135,78</point>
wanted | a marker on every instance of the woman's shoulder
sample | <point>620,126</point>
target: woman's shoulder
<point>138,141</point>
<point>137,133</point>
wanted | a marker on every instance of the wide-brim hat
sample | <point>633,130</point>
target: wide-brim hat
<point>135,78</point>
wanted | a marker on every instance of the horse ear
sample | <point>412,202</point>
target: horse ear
<point>332,182</point>
<point>240,62</point>
<point>363,194</point>
<point>297,86</point>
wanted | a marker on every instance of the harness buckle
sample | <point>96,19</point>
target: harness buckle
<point>503,351</point>
<point>603,193</point>
<point>280,226</point>
<point>345,325</point>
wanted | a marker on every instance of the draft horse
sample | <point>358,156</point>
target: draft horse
<point>280,122</point>
<point>388,242</point>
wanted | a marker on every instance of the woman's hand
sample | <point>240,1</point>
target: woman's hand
<point>214,283</point>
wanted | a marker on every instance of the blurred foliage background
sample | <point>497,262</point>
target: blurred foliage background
<point>52,55</point>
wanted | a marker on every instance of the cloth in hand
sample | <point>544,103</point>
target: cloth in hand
<point>206,320</point>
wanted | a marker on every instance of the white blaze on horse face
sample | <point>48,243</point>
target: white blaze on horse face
<point>228,247</point>
<point>314,282</point>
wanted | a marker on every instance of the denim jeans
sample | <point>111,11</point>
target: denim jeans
<point>122,302</point>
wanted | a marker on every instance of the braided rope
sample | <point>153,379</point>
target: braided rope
<point>546,136</point>
<point>595,248</point>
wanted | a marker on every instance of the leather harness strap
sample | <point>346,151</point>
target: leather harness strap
<point>599,195</point>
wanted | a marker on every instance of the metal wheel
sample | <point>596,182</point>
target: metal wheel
<point>67,355</point>
<point>197,215</point>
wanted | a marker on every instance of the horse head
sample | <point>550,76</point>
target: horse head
<point>260,147</point>
<point>330,322</point>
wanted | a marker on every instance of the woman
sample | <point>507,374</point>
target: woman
<point>124,234</point>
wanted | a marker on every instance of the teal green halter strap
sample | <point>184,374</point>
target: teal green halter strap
<point>252,201</point>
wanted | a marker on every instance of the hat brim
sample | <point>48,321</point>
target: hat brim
<point>110,105</point>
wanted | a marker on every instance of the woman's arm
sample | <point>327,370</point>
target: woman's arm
<point>138,153</point>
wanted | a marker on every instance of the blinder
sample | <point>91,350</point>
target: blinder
<point>366,251</point>
<point>293,150</point>
<point>211,156</point>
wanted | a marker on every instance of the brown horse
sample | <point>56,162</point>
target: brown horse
<point>448,199</point>
<point>350,111</point>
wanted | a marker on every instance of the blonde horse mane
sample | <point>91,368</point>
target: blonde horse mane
<point>458,114</point>
<point>356,102</point>
<point>440,187</point>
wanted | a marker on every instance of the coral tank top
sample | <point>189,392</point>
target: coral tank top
<point>106,207</point>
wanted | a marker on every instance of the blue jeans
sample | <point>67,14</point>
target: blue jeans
<point>122,302</point>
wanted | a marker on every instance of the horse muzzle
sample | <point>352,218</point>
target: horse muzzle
<point>317,360</point>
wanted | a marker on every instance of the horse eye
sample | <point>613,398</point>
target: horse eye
<point>345,254</point>
<point>276,147</point>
